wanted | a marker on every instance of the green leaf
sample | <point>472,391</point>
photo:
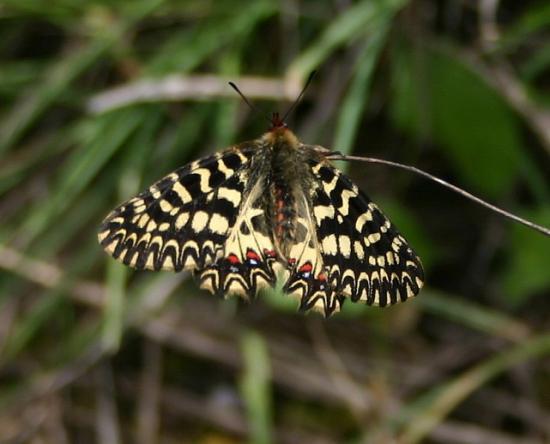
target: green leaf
<point>528,269</point>
<point>26,329</point>
<point>115,306</point>
<point>256,387</point>
<point>186,50</point>
<point>474,126</point>
<point>341,31</point>
<point>472,315</point>
<point>110,132</point>
<point>61,73</point>
<point>535,20</point>
<point>357,96</point>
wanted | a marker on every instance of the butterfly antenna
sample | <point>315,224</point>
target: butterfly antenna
<point>248,102</point>
<point>299,98</point>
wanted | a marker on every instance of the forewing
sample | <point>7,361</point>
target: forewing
<point>364,255</point>
<point>183,220</point>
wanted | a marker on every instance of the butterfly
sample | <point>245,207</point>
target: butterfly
<point>271,208</point>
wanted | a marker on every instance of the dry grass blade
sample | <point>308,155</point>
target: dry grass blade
<point>192,87</point>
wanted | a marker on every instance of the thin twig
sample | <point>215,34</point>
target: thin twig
<point>446,184</point>
<point>358,400</point>
<point>107,422</point>
<point>222,413</point>
<point>148,399</point>
<point>488,28</point>
<point>49,276</point>
<point>459,432</point>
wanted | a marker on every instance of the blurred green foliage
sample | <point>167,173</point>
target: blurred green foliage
<point>456,108</point>
<point>436,84</point>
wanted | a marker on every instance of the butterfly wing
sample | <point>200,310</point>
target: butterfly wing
<point>306,277</point>
<point>249,261</point>
<point>354,250</point>
<point>181,221</point>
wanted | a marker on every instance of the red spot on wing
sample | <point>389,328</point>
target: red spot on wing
<point>306,268</point>
<point>322,277</point>
<point>250,254</point>
<point>233,260</point>
<point>269,253</point>
<point>292,261</point>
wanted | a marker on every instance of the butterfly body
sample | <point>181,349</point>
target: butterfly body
<point>287,179</point>
<point>268,209</point>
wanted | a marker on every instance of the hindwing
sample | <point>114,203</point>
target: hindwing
<point>307,278</point>
<point>248,261</point>
<point>348,248</point>
<point>364,255</point>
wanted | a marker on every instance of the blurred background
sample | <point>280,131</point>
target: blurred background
<point>98,99</point>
